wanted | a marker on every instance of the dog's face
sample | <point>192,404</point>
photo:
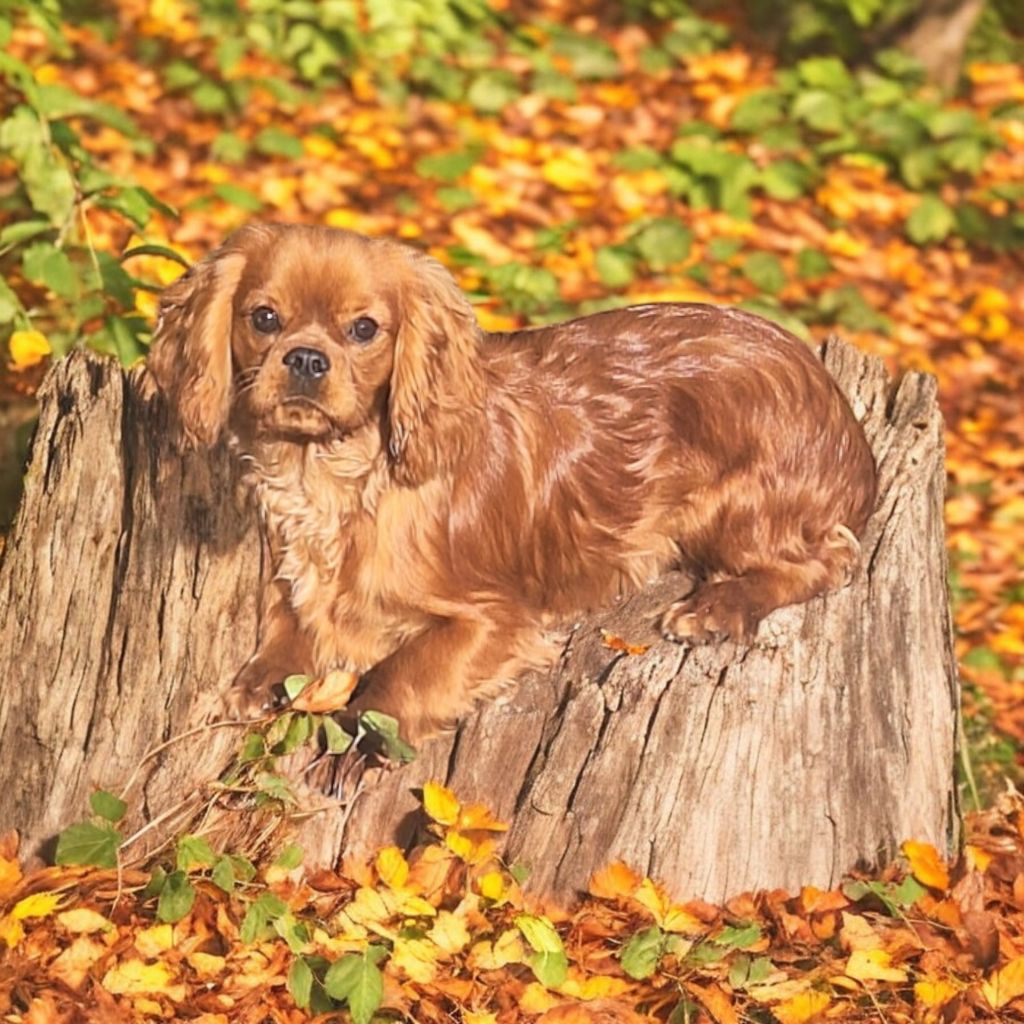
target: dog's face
<point>305,334</point>
<point>313,335</point>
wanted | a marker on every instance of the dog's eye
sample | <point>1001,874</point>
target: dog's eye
<point>265,320</point>
<point>363,329</point>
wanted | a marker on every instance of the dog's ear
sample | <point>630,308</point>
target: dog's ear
<point>437,382</point>
<point>190,357</point>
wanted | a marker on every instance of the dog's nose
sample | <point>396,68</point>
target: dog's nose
<point>307,363</point>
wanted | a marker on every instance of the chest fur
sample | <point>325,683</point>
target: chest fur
<point>350,549</point>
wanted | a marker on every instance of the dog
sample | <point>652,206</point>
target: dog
<point>436,497</point>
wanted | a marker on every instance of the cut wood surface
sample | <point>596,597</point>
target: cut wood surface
<point>128,600</point>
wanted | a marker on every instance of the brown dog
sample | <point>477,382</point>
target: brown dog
<point>436,496</point>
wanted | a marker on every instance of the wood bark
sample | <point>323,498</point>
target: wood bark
<point>128,600</point>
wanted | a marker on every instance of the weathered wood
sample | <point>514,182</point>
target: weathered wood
<point>128,598</point>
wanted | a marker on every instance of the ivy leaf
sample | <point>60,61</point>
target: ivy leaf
<point>105,805</point>
<point>641,955</point>
<point>87,843</point>
<point>300,982</point>
<point>176,897</point>
<point>930,221</point>
<point>194,852</point>
<point>357,980</point>
<point>386,729</point>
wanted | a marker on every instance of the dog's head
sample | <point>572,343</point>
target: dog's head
<point>306,335</point>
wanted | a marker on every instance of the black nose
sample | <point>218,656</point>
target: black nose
<point>307,363</point>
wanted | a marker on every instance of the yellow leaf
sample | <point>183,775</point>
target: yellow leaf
<point>40,904</point>
<point>371,906</point>
<point>415,958</point>
<point>617,881</point>
<point>857,933</point>
<point>414,906</point>
<point>479,1017</point>
<point>873,965</point>
<point>151,942</point>
<point>440,803</point>
<point>10,875</point>
<point>506,949</point>
<point>82,921</point>
<point>801,1008</point>
<point>207,965</point>
<point>74,963</point>
<point>678,920</point>
<point>934,992</point>
<point>925,864</point>
<point>977,858</point>
<point>328,694</point>
<point>11,931</point>
<point>535,998</point>
<point>392,867</point>
<point>602,986</point>
<point>472,851</point>
<point>1006,984</point>
<point>28,348</point>
<point>491,885</point>
<point>136,976</point>
<point>648,895</point>
<point>449,932</point>
<point>571,170</point>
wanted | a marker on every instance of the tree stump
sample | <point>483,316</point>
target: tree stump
<point>128,601</point>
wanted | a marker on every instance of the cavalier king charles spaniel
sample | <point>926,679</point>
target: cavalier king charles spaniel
<point>436,497</point>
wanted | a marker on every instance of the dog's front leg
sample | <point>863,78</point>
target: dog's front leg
<point>283,649</point>
<point>433,678</point>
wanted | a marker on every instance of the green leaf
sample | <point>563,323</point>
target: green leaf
<point>550,969</point>
<point>386,728</point>
<point>820,110</point>
<point>194,852</point>
<point>176,897</point>
<point>229,148</point>
<point>812,263</point>
<point>739,937</point>
<point>86,843</point>
<point>540,933</point>
<point>290,857</point>
<point>453,199</point>
<point>223,874</point>
<point>492,91</point>
<point>22,231</point>
<point>615,266</point>
<point>722,249</point>
<point>828,73</point>
<point>157,250</point>
<point>757,110</point>
<point>10,306</point>
<point>357,980</point>
<point>294,685</point>
<point>446,166</point>
<point>106,805</point>
<point>337,740</point>
<point>300,982</point>
<point>764,270</point>
<point>663,242</point>
<point>745,970</point>
<point>238,196</point>
<point>642,953</point>
<point>275,142</point>
<point>256,923</point>
<point>46,265</point>
<point>930,221</point>
<point>787,179</point>
<point>253,748</point>
<point>274,787</point>
<point>293,931</point>
<point>156,883</point>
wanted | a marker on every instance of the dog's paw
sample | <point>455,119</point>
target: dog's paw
<point>713,612</point>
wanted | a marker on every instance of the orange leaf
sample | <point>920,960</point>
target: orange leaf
<point>617,881</point>
<point>801,1008</point>
<point>1006,984</point>
<point>331,693</point>
<point>926,865</point>
<point>715,1001</point>
<point>616,643</point>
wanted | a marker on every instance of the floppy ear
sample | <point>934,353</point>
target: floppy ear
<point>190,357</point>
<point>437,381</point>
